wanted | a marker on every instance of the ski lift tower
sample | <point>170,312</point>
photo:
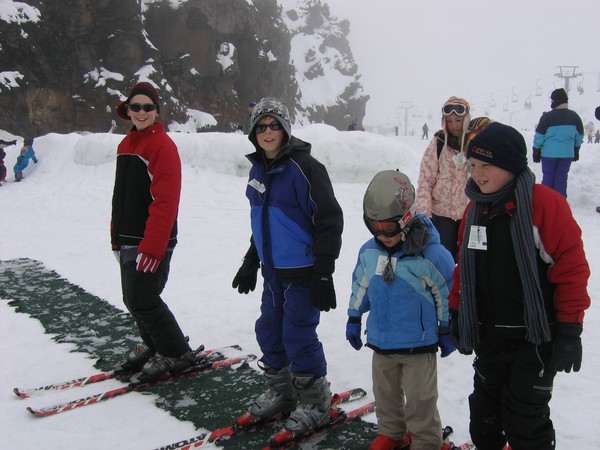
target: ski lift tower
<point>567,72</point>
<point>406,106</point>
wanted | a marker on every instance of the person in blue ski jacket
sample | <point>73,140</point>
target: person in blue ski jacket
<point>297,225</point>
<point>402,279</point>
<point>558,137</point>
<point>23,158</point>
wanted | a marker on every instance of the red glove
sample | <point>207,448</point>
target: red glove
<point>146,263</point>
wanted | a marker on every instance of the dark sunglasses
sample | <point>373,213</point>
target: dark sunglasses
<point>275,126</point>
<point>459,110</point>
<point>136,107</point>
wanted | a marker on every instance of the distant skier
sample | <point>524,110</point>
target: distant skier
<point>23,158</point>
<point>425,131</point>
<point>4,144</point>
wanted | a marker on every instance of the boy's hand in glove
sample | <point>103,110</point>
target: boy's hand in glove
<point>146,263</point>
<point>353,332</point>
<point>446,345</point>
<point>245,278</point>
<point>537,155</point>
<point>322,292</point>
<point>566,351</point>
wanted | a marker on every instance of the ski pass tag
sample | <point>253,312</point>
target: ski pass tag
<point>459,159</point>
<point>382,263</point>
<point>477,238</point>
<point>257,185</point>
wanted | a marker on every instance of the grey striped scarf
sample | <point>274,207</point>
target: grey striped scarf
<point>521,229</point>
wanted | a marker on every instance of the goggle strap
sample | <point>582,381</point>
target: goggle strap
<point>407,217</point>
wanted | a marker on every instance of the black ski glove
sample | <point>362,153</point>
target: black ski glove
<point>576,154</point>
<point>322,292</point>
<point>453,328</point>
<point>537,155</point>
<point>245,278</point>
<point>566,350</point>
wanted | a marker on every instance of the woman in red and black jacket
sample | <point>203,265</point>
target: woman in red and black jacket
<point>144,233</point>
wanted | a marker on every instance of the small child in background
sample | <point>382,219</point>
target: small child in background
<point>402,279</point>
<point>519,293</point>
<point>23,158</point>
<point>4,144</point>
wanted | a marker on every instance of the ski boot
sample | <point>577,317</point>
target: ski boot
<point>280,397</point>
<point>159,366</point>
<point>137,358</point>
<point>383,442</point>
<point>312,413</point>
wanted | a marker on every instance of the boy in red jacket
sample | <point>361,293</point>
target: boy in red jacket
<point>519,293</point>
<point>144,234</point>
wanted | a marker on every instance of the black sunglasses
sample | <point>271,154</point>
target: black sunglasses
<point>136,107</point>
<point>275,126</point>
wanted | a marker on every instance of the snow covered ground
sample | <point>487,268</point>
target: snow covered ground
<point>60,215</point>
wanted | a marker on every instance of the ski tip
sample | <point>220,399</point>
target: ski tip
<point>358,393</point>
<point>34,412</point>
<point>243,361</point>
<point>20,394</point>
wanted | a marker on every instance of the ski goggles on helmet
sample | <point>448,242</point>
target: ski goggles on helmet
<point>261,128</point>
<point>136,107</point>
<point>458,109</point>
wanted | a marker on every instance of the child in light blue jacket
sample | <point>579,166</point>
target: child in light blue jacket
<point>23,158</point>
<point>402,279</point>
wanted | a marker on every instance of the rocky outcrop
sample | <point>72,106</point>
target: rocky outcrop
<point>66,65</point>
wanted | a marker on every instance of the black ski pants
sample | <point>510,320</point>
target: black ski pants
<point>448,230</point>
<point>141,294</point>
<point>512,390</point>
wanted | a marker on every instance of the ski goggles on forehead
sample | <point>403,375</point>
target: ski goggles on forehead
<point>458,109</point>
<point>261,128</point>
<point>136,107</point>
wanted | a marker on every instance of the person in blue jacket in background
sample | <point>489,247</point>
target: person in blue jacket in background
<point>557,140</point>
<point>23,158</point>
<point>297,228</point>
<point>402,279</point>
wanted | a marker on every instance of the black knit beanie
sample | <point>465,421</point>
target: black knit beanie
<point>558,97</point>
<point>501,146</point>
<point>139,89</point>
